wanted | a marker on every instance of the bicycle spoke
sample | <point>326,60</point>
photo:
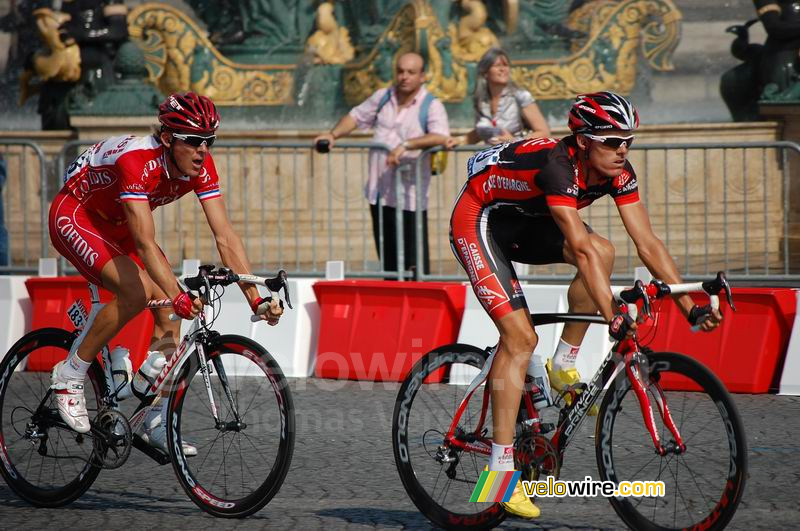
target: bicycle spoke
<point>694,480</point>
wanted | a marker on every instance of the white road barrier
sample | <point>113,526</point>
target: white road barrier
<point>479,330</point>
<point>790,378</point>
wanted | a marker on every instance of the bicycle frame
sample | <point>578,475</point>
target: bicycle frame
<point>624,356</point>
<point>566,428</point>
<point>192,342</point>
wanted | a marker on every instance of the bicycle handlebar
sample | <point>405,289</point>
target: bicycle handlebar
<point>658,290</point>
<point>209,276</point>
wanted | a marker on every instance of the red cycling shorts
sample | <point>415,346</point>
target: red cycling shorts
<point>87,240</point>
<point>486,238</point>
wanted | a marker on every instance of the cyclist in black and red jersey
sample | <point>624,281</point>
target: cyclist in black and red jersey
<point>520,203</point>
<point>102,222</point>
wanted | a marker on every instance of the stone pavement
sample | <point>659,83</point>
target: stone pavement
<point>343,476</point>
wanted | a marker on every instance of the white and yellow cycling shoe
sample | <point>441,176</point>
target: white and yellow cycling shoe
<point>520,505</point>
<point>562,380</point>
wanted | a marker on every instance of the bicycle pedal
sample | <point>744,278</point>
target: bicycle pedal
<point>546,427</point>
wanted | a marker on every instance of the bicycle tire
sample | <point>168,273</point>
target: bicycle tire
<point>244,361</point>
<point>711,411</point>
<point>58,477</point>
<point>407,445</point>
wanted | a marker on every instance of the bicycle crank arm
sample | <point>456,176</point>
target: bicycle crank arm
<point>156,455</point>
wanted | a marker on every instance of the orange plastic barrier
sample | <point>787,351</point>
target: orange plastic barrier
<point>50,299</point>
<point>747,351</point>
<point>377,330</point>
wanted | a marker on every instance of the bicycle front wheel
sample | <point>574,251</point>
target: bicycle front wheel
<point>42,460</point>
<point>702,485</point>
<point>439,478</point>
<point>243,457</point>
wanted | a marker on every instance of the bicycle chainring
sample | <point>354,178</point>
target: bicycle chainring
<point>113,439</point>
<point>536,457</point>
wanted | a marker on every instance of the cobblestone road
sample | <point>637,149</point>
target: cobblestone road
<point>343,476</point>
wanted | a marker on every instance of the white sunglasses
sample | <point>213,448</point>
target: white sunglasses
<point>614,142</point>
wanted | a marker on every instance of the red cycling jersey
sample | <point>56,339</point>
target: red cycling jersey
<point>87,223</point>
<point>129,168</point>
<point>503,212</point>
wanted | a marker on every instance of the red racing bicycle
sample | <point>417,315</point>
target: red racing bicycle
<point>664,417</point>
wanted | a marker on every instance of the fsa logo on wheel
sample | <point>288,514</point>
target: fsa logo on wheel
<point>490,292</point>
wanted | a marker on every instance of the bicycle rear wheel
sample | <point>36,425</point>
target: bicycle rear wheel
<point>42,460</point>
<point>440,480</point>
<point>704,484</point>
<point>240,465</point>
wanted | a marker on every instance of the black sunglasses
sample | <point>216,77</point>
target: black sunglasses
<point>196,140</point>
<point>614,142</point>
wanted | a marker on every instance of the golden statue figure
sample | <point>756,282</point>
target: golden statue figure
<point>330,44</point>
<point>471,38</point>
<point>59,61</point>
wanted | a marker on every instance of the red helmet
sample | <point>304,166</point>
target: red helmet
<point>602,111</point>
<point>189,113</point>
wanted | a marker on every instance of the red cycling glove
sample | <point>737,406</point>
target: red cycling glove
<point>182,305</point>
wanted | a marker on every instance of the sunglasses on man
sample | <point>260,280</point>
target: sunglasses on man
<point>195,140</point>
<point>614,142</point>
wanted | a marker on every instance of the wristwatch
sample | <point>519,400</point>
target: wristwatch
<point>405,145</point>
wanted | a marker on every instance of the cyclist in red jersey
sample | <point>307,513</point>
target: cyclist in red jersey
<point>520,203</point>
<point>102,222</point>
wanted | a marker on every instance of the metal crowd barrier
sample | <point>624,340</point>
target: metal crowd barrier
<point>716,206</point>
<point>294,208</point>
<point>25,204</point>
<point>703,202</point>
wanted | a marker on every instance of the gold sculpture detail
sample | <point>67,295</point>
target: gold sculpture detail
<point>330,44</point>
<point>180,57</point>
<point>415,26</point>
<point>471,38</point>
<point>58,61</point>
<point>607,60</point>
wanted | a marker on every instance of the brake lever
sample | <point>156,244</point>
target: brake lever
<point>727,287</point>
<point>285,283</point>
<point>280,281</point>
<point>645,299</point>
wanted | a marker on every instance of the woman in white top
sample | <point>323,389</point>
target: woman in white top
<point>504,112</point>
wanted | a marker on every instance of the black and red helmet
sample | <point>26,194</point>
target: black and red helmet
<point>602,111</point>
<point>188,113</point>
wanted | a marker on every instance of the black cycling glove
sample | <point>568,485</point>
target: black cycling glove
<point>698,314</point>
<point>619,325</point>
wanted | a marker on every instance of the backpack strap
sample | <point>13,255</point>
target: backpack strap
<point>382,103</point>
<point>423,111</point>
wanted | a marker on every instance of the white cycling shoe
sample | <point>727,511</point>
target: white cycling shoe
<point>157,438</point>
<point>70,400</point>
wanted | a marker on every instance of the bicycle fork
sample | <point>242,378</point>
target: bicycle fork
<point>205,370</point>
<point>637,370</point>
